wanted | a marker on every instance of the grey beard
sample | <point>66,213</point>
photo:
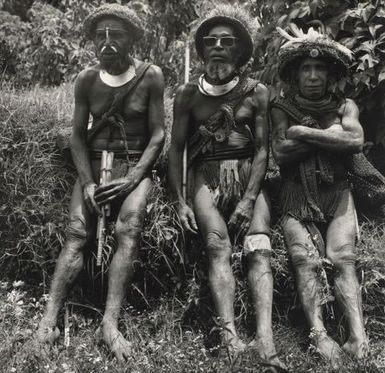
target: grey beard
<point>117,65</point>
<point>219,70</point>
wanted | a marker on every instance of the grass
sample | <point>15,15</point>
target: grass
<point>168,315</point>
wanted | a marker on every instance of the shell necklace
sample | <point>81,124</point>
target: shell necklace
<point>208,89</point>
<point>117,80</point>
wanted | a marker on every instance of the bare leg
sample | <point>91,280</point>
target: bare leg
<point>341,236</point>
<point>261,283</point>
<point>121,271</point>
<point>68,266</point>
<point>221,279</point>
<point>305,259</point>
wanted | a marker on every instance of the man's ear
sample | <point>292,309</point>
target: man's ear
<point>294,79</point>
<point>332,80</point>
<point>332,83</point>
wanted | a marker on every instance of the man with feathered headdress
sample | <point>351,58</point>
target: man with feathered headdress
<point>314,132</point>
<point>223,120</point>
<point>124,96</point>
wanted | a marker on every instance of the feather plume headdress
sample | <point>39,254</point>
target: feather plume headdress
<point>312,44</point>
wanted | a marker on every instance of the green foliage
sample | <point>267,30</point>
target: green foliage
<point>161,341</point>
<point>359,25</point>
<point>33,181</point>
<point>46,49</point>
<point>47,45</point>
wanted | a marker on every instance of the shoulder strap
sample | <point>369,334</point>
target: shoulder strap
<point>118,98</point>
<point>286,106</point>
<point>114,105</point>
<point>198,141</point>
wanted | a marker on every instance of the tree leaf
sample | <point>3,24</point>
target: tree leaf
<point>381,75</point>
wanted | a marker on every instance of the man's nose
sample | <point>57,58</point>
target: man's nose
<point>313,74</point>
<point>107,40</point>
<point>218,43</point>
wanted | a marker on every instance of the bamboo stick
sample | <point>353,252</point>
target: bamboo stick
<point>186,80</point>
<point>101,219</point>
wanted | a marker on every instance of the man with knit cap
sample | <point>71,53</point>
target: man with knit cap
<point>315,133</point>
<point>222,118</point>
<point>124,97</point>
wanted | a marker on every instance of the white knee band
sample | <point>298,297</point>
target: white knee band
<point>256,243</point>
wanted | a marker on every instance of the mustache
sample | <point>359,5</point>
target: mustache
<point>111,47</point>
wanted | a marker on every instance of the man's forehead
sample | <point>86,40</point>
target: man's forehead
<point>221,29</point>
<point>312,62</point>
<point>111,22</point>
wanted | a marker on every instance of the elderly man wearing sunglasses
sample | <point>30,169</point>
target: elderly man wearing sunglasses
<point>222,118</point>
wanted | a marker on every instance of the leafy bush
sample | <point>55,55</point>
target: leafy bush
<point>34,181</point>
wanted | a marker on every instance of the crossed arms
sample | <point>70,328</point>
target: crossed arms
<point>296,142</point>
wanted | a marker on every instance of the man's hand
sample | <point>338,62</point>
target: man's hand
<point>187,218</point>
<point>294,132</point>
<point>115,188</point>
<point>89,197</point>
<point>241,217</point>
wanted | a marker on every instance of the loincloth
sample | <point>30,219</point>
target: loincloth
<point>227,179</point>
<point>293,201</point>
<point>318,230</point>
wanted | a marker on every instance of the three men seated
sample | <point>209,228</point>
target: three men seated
<point>223,119</point>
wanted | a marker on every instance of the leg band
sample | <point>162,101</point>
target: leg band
<point>257,243</point>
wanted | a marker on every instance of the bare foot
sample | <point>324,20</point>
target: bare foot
<point>115,341</point>
<point>266,350</point>
<point>47,332</point>
<point>359,349</point>
<point>233,343</point>
<point>328,349</point>
<point>236,346</point>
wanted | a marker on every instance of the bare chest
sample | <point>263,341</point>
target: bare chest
<point>204,107</point>
<point>134,104</point>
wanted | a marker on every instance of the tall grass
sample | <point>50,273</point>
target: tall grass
<point>34,180</point>
<point>35,185</point>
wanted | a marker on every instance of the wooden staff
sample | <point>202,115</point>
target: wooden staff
<point>186,80</point>
<point>105,176</point>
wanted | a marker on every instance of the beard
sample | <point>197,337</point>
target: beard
<point>218,70</point>
<point>114,63</point>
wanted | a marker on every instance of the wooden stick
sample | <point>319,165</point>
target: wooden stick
<point>101,219</point>
<point>186,80</point>
<point>108,173</point>
<point>66,326</point>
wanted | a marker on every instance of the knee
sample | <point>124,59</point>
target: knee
<point>343,255</point>
<point>304,256</point>
<point>129,225</point>
<point>76,233</point>
<point>218,246</point>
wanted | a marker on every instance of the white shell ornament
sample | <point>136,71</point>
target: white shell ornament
<point>314,53</point>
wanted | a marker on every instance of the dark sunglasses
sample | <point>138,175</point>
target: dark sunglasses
<point>224,41</point>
